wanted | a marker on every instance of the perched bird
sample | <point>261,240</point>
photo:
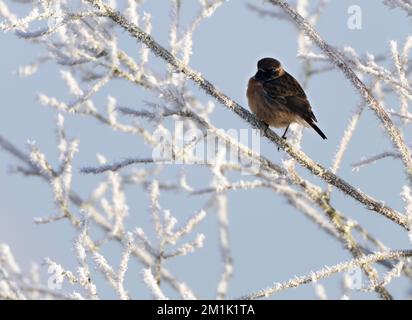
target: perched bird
<point>277,98</point>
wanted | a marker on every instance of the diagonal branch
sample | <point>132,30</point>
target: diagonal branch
<point>366,94</point>
<point>387,154</point>
<point>327,272</point>
<point>143,255</point>
<point>315,168</point>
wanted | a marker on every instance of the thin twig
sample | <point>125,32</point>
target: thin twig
<point>210,89</point>
<point>366,94</point>
<point>327,272</point>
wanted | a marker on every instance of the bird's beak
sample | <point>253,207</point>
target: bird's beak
<point>280,71</point>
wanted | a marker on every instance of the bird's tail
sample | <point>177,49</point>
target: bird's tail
<point>316,128</point>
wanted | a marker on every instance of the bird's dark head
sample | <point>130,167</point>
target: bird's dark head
<point>268,69</point>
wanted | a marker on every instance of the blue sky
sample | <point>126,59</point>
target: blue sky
<point>270,240</point>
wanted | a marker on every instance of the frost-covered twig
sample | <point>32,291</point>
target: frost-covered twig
<point>119,165</point>
<point>299,156</point>
<point>327,272</point>
<point>375,158</point>
<point>220,201</point>
<point>84,270</point>
<point>266,13</point>
<point>340,62</point>
<point>405,5</point>
<point>152,284</point>
<point>145,257</point>
<point>347,136</point>
<point>86,48</point>
<point>392,274</point>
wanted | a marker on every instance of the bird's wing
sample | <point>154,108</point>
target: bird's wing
<point>287,92</point>
<point>285,86</point>
<point>302,107</point>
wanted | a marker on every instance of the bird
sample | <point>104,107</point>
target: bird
<point>277,98</point>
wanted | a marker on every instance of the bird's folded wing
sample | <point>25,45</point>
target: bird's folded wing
<point>302,107</point>
<point>286,92</point>
<point>285,85</point>
<point>277,101</point>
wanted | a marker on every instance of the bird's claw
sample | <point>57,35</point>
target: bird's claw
<point>284,138</point>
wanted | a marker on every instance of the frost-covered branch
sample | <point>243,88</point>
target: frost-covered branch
<point>405,5</point>
<point>299,156</point>
<point>366,94</point>
<point>327,272</point>
<point>82,40</point>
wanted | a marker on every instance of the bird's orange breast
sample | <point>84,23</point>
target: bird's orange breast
<point>254,95</point>
<point>275,115</point>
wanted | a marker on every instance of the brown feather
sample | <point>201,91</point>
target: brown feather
<point>278,99</point>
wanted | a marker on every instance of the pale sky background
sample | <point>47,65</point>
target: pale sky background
<point>270,240</point>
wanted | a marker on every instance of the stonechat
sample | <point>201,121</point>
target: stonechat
<point>278,99</point>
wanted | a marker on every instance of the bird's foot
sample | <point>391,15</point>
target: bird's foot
<point>284,138</point>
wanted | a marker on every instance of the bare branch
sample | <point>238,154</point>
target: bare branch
<point>327,272</point>
<point>299,156</point>
<point>373,159</point>
<point>340,62</point>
